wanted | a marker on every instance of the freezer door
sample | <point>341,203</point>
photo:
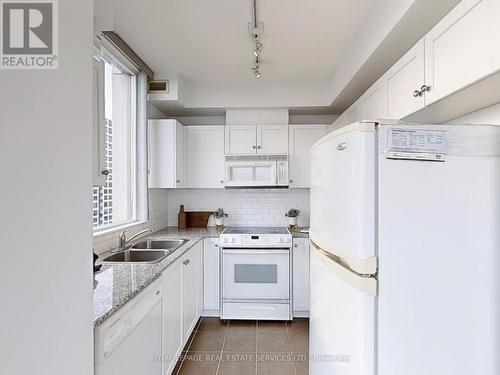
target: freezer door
<point>342,322</point>
<point>343,195</point>
<point>439,257</point>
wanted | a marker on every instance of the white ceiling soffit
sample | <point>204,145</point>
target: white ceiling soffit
<point>312,49</point>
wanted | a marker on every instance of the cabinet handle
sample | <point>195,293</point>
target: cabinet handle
<point>254,147</point>
<point>295,245</point>
<point>178,181</point>
<point>417,93</point>
<point>259,147</point>
<point>186,262</point>
<point>105,172</point>
<point>424,89</point>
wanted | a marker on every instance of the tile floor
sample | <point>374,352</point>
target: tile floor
<point>246,348</point>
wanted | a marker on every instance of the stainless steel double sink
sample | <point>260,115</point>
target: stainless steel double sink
<point>145,251</point>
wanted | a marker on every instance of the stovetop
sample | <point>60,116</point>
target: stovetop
<point>256,230</point>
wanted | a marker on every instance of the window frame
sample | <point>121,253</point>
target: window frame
<point>138,199</point>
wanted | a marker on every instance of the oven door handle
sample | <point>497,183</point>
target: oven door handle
<point>256,251</point>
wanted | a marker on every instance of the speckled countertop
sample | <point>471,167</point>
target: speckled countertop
<point>116,284</point>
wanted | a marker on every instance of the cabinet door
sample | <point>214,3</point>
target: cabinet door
<point>172,316</point>
<point>211,274</point>
<point>302,137</point>
<point>180,156</point>
<point>99,157</point>
<point>162,154</point>
<point>374,102</point>
<point>272,139</point>
<point>190,289</point>
<point>205,156</point>
<point>301,275</point>
<point>404,81</point>
<point>241,139</point>
<point>462,48</point>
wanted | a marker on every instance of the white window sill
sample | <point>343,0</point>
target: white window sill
<point>115,229</point>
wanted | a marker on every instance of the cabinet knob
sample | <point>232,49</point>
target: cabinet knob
<point>221,181</point>
<point>259,147</point>
<point>295,245</point>
<point>216,245</point>
<point>425,88</point>
<point>254,147</point>
<point>291,181</point>
<point>178,181</point>
<point>416,93</point>
<point>105,172</point>
<point>186,262</point>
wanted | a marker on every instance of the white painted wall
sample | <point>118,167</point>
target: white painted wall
<point>245,207</point>
<point>157,220</point>
<point>45,197</point>
<point>489,115</point>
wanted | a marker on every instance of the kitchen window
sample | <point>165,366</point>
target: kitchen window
<point>117,196</point>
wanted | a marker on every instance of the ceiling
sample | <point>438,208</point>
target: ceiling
<point>209,41</point>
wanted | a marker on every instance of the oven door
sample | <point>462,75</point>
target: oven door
<point>255,274</point>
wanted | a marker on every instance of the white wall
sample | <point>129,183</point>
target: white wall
<point>245,207</point>
<point>489,115</point>
<point>46,213</point>
<point>157,220</point>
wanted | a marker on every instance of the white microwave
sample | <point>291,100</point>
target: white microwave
<point>242,172</point>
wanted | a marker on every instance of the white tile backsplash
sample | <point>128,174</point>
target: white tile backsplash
<point>244,207</point>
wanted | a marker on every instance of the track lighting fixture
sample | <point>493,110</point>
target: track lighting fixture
<point>256,28</point>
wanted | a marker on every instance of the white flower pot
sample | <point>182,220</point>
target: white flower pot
<point>292,221</point>
<point>219,221</point>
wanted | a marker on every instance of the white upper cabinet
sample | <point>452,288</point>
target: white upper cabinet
<point>302,137</point>
<point>206,156</point>
<point>241,139</point>
<point>462,48</point>
<point>256,139</point>
<point>373,103</point>
<point>272,139</point>
<point>167,154</point>
<point>404,83</point>
<point>99,159</point>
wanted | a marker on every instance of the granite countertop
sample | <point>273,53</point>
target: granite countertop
<point>297,234</point>
<point>116,284</point>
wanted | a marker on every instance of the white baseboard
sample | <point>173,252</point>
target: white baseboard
<point>210,313</point>
<point>301,314</point>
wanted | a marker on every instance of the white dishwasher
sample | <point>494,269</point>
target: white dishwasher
<point>129,342</point>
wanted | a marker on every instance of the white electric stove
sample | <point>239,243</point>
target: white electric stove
<point>256,266</point>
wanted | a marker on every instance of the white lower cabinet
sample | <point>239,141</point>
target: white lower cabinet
<point>301,277</point>
<point>172,316</point>
<point>181,304</point>
<point>211,277</point>
<point>190,289</point>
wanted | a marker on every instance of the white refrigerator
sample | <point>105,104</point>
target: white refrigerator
<point>405,250</point>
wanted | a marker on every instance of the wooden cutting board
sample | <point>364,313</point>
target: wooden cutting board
<point>197,219</point>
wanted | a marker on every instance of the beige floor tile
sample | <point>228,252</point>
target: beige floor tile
<point>212,324</point>
<point>207,341</point>
<point>298,325</point>
<point>272,342</point>
<point>271,326</point>
<point>299,342</point>
<point>240,341</point>
<point>200,363</point>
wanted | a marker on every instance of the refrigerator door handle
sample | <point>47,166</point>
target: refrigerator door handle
<point>364,282</point>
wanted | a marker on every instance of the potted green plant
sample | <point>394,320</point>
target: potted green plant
<point>292,215</point>
<point>219,216</point>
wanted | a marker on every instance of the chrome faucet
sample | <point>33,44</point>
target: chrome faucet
<point>123,241</point>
